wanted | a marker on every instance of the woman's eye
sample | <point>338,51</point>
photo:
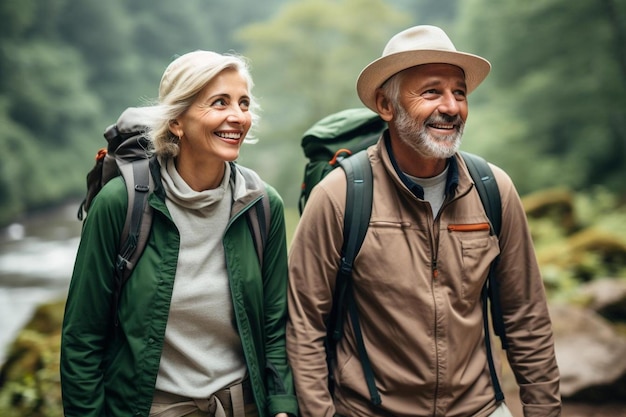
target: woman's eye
<point>219,102</point>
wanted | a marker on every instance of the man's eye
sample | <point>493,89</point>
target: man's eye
<point>430,93</point>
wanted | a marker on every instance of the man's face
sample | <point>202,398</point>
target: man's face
<point>432,109</point>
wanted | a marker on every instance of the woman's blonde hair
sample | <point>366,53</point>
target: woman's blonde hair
<point>181,82</point>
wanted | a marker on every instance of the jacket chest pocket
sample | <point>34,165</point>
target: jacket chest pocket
<point>474,249</point>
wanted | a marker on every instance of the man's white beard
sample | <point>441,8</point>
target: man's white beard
<point>429,145</point>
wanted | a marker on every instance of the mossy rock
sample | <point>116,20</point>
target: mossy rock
<point>587,254</point>
<point>554,204</point>
<point>29,380</point>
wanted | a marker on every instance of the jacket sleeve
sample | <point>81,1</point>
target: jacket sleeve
<point>88,306</point>
<point>528,327</point>
<point>313,265</point>
<point>281,395</point>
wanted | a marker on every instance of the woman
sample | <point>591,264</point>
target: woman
<point>201,323</point>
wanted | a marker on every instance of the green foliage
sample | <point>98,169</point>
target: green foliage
<point>17,16</point>
<point>308,57</point>
<point>70,68</point>
<point>45,120</point>
<point>311,44</point>
<point>588,245</point>
<point>11,145</point>
<point>558,71</point>
<point>49,106</point>
<point>550,113</point>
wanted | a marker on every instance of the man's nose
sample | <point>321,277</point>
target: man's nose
<point>449,104</point>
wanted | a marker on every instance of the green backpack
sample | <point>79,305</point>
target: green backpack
<point>341,140</point>
<point>333,138</point>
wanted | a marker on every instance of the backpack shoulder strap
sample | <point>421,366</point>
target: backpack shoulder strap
<point>359,188</point>
<point>259,216</point>
<point>358,206</point>
<point>359,195</point>
<point>487,188</point>
<point>138,222</point>
<point>489,193</point>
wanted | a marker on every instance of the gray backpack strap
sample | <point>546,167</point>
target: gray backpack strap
<point>258,216</point>
<point>138,215</point>
<point>137,225</point>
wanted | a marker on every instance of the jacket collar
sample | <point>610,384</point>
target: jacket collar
<point>452,179</point>
<point>247,189</point>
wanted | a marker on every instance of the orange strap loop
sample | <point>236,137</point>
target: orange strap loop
<point>101,154</point>
<point>341,151</point>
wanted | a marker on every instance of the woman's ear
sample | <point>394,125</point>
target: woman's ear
<point>176,128</point>
<point>383,106</point>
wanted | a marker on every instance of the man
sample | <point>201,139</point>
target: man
<point>419,274</point>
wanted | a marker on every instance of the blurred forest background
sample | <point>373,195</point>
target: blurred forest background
<point>551,113</point>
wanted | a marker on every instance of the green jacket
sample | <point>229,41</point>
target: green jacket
<point>111,371</point>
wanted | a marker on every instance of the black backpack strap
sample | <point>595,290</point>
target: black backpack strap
<point>487,188</point>
<point>489,193</point>
<point>499,394</point>
<point>137,224</point>
<point>359,194</point>
<point>258,216</point>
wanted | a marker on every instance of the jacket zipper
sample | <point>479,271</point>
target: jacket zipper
<point>435,276</point>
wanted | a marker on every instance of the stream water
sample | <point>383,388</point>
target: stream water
<point>36,259</point>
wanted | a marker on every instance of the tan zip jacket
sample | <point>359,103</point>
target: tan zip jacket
<point>417,285</point>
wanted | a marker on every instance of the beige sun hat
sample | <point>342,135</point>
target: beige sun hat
<point>416,46</point>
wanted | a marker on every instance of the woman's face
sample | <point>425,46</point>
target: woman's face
<point>214,126</point>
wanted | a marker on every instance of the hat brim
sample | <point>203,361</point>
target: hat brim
<point>375,74</point>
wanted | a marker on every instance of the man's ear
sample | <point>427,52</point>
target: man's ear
<point>176,128</point>
<point>383,106</point>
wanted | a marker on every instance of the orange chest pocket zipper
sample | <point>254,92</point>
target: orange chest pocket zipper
<point>475,227</point>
